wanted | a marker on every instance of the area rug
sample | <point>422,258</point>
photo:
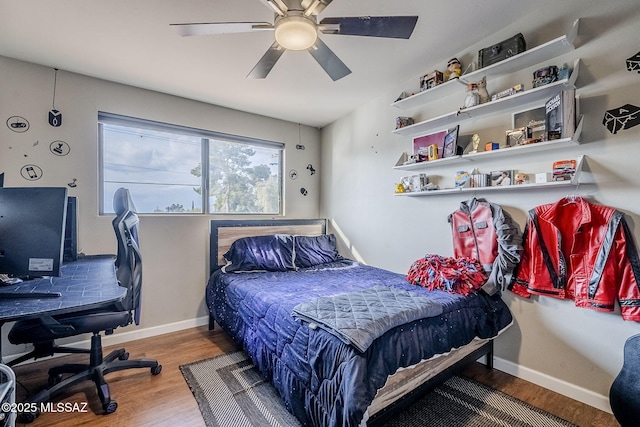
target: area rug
<point>230,391</point>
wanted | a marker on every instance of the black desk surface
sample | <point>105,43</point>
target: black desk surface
<point>86,283</point>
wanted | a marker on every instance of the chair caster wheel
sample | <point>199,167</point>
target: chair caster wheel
<point>54,379</point>
<point>124,356</point>
<point>110,407</point>
<point>27,417</point>
<point>156,370</point>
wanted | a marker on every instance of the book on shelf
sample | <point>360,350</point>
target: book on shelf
<point>560,115</point>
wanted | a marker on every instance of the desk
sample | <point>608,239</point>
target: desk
<point>87,283</point>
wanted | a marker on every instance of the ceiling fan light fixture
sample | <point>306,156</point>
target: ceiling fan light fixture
<point>294,32</point>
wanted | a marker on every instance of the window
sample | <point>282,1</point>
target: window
<point>162,166</point>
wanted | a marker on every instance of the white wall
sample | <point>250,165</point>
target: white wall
<point>573,350</point>
<point>174,247</point>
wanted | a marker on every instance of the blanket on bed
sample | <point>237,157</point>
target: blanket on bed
<point>322,380</point>
<point>358,318</point>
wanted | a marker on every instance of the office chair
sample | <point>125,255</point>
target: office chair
<point>623,395</point>
<point>43,332</point>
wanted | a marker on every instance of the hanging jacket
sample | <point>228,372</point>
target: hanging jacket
<point>483,231</point>
<point>582,251</point>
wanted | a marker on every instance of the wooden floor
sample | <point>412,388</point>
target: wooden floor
<point>165,399</point>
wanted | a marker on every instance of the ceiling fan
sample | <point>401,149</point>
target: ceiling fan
<point>296,28</point>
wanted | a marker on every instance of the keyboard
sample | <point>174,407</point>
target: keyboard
<point>6,280</point>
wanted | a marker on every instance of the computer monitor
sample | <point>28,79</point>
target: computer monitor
<point>32,228</point>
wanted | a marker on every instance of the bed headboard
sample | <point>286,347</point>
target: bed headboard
<point>223,233</point>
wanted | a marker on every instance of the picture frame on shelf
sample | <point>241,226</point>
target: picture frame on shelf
<point>450,144</point>
<point>422,143</point>
<point>502,178</point>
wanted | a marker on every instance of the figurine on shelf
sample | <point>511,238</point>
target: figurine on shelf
<point>454,69</point>
<point>521,178</point>
<point>473,98</point>
<point>475,143</point>
<point>482,90</point>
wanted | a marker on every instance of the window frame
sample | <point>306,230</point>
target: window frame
<point>206,138</point>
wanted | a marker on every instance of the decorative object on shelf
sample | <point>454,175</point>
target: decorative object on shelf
<point>432,152</point>
<point>533,119</point>
<point>450,145</point>
<point>521,178</point>
<point>508,92</point>
<point>501,178</point>
<point>621,118</point>
<point>501,51</point>
<point>400,188</point>
<point>518,136</point>
<point>543,177</point>
<point>473,97</point>
<point>633,63</point>
<point>478,180</point>
<point>415,183</point>
<point>564,72</point>
<point>402,96</point>
<point>55,116</point>
<point>492,146</point>
<point>421,144</point>
<point>475,143</point>
<point>431,80</point>
<point>564,170</point>
<point>545,75</point>
<point>560,115</point>
<point>454,69</point>
<point>462,179</point>
<point>403,122</point>
<point>483,93</point>
<point>18,124</point>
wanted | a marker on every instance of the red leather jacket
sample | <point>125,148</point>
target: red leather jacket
<point>484,232</point>
<point>582,251</point>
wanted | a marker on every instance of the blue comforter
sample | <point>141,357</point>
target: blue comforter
<point>322,380</point>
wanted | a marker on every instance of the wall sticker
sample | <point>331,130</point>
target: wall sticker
<point>59,148</point>
<point>31,172</point>
<point>621,118</point>
<point>18,124</point>
<point>633,63</point>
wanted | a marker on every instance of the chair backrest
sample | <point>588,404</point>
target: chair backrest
<point>128,259</point>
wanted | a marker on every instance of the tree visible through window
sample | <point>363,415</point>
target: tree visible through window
<point>162,167</point>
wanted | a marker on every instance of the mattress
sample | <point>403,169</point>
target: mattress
<point>322,380</point>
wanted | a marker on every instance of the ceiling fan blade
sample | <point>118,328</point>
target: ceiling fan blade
<point>328,60</point>
<point>314,7</point>
<point>204,29</point>
<point>266,63</point>
<point>278,6</point>
<point>397,27</point>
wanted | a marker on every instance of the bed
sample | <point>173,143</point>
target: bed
<point>323,378</point>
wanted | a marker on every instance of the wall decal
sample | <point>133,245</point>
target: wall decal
<point>73,184</point>
<point>311,169</point>
<point>293,174</point>
<point>299,147</point>
<point>31,172</point>
<point>621,118</point>
<point>18,124</point>
<point>633,63</point>
<point>304,191</point>
<point>59,148</point>
<point>55,116</point>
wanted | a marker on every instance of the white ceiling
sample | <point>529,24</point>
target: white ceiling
<point>130,42</point>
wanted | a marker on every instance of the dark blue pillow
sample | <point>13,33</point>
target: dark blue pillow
<point>270,253</point>
<point>315,250</point>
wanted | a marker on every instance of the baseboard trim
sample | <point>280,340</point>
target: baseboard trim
<point>559,386</point>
